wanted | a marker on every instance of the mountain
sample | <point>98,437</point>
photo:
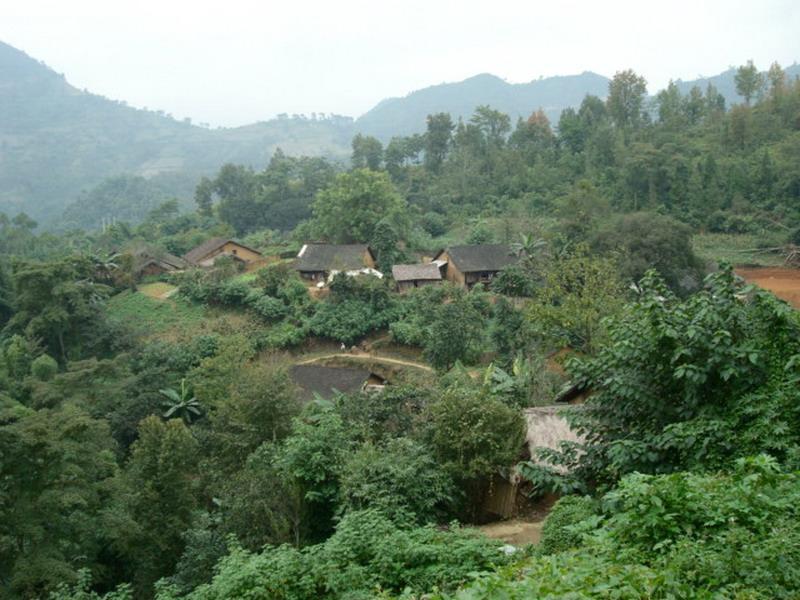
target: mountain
<point>57,141</point>
<point>61,146</point>
<point>404,116</point>
<point>725,83</point>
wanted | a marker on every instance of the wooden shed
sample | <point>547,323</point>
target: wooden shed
<point>470,265</point>
<point>148,263</point>
<point>412,276</point>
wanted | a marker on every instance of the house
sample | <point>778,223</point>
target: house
<point>316,262</point>
<point>326,381</point>
<point>209,251</point>
<point>412,276</point>
<point>469,265</point>
<point>146,263</point>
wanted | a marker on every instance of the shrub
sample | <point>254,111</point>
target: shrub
<point>367,554</point>
<point>558,532</point>
<point>44,368</point>
<point>399,478</point>
<point>269,308</point>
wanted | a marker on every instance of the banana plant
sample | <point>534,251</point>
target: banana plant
<point>181,404</point>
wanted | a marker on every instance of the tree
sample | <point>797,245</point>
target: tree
<point>749,81</point>
<point>688,384</point>
<point>58,303</point>
<point>204,197</point>
<point>437,140</point>
<point>348,210</point>
<point>578,290</point>
<point>54,479</point>
<point>626,94</point>
<point>651,241</point>
<point>159,498</point>
<point>455,334</point>
<point>385,245</point>
<point>367,152</point>
<point>399,478</point>
<point>258,407</point>
<point>473,436</point>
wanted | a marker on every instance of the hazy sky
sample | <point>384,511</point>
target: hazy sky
<point>231,62</point>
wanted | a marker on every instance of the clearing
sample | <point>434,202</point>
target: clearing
<point>784,282</point>
<point>158,290</point>
<point>516,532</point>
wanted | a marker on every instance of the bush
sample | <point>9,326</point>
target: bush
<point>44,368</point>
<point>269,308</point>
<point>399,478</point>
<point>367,554</point>
<point>673,536</point>
<point>558,533</point>
<point>434,224</point>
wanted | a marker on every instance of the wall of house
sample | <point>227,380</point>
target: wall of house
<point>151,269</point>
<point>368,260</point>
<point>452,274</point>
<point>245,254</point>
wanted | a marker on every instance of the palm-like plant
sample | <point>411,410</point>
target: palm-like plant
<point>181,404</point>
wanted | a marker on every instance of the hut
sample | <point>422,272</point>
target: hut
<point>316,262</point>
<point>413,276</point>
<point>147,263</point>
<point>326,381</point>
<point>209,251</point>
<point>467,266</point>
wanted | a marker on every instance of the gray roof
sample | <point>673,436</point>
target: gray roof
<point>169,262</point>
<point>324,380</point>
<point>331,257</point>
<point>416,272</point>
<point>195,255</point>
<point>483,257</point>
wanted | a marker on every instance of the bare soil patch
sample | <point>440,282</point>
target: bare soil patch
<point>784,282</point>
<point>516,532</point>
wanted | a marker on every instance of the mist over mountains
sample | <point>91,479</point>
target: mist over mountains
<point>57,142</point>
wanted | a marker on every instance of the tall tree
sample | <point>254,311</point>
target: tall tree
<point>626,94</point>
<point>367,152</point>
<point>158,484</point>
<point>349,209</point>
<point>437,140</point>
<point>749,81</point>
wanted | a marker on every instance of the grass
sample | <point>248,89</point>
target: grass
<point>156,290</point>
<point>737,249</point>
<point>148,316</point>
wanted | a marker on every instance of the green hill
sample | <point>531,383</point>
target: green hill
<point>405,116</point>
<point>57,141</point>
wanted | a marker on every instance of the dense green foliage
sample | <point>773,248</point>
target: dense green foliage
<point>688,384</point>
<point>673,536</point>
<point>154,440</point>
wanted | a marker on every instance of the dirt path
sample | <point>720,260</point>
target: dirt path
<point>514,531</point>
<point>366,357</point>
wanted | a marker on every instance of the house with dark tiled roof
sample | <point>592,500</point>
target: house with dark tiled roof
<point>209,251</point>
<point>469,265</point>
<point>315,262</point>
<point>412,276</point>
<point>146,263</point>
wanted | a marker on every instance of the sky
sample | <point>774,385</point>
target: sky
<point>233,62</point>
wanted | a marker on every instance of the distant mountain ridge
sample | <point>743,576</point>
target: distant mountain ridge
<point>58,143</point>
<point>404,116</point>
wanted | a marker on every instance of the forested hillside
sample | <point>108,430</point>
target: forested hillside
<point>80,140</point>
<point>57,141</point>
<point>168,430</point>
